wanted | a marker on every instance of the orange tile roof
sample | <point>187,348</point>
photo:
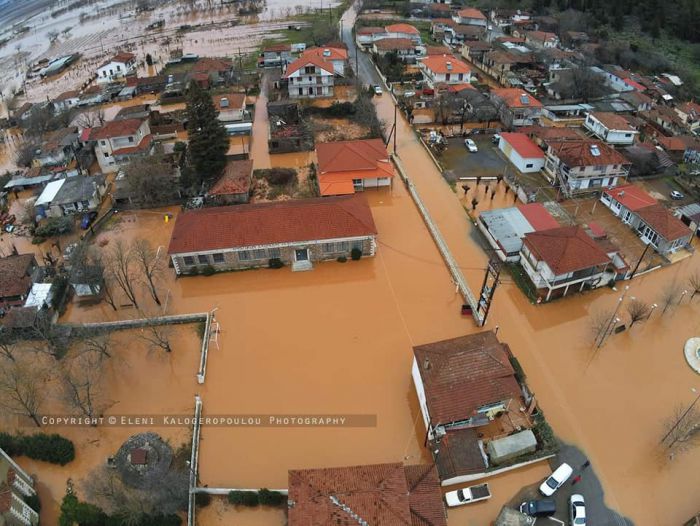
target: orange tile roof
<point>207,64</point>
<point>663,222</point>
<point>631,196</point>
<point>236,101</point>
<point>612,121</point>
<point>14,275</point>
<point>120,128</point>
<point>566,249</point>
<point>462,374</point>
<point>443,64</point>
<point>471,12</point>
<point>522,144</point>
<point>341,162</point>
<point>235,179</point>
<point>226,227</point>
<point>402,28</point>
<point>316,57</point>
<point>513,97</point>
<point>379,494</point>
<point>326,53</point>
<point>580,153</point>
<point>370,30</point>
<point>388,44</point>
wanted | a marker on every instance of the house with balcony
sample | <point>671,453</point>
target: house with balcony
<point>119,141</point>
<point>116,68</point>
<point>309,77</point>
<point>611,128</point>
<point>365,36</point>
<point>404,48</point>
<point>16,485</point>
<point>516,107</point>
<point>439,69</point>
<point>470,16</point>
<point>562,260</point>
<point>585,165</point>
<point>347,167</point>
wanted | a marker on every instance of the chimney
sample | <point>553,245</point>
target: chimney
<point>224,102</point>
<point>449,65</point>
<point>326,52</point>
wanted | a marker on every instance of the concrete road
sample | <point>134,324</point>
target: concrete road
<point>358,60</point>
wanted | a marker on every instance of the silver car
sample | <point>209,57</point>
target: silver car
<point>577,510</point>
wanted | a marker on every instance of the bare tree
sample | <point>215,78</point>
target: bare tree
<point>694,283</point>
<point>682,430</point>
<point>600,324</point>
<point>98,343</point>
<point>91,119</point>
<point>149,263</point>
<point>638,310</point>
<point>7,346</point>
<point>88,268</point>
<point>82,376</point>
<point>119,267</point>
<point>156,335</point>
<point>22,389</point>
<point>151,180</point>
<point>670,295</point>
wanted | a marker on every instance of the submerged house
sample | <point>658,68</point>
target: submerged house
<point>17,275</point>
<point>71,195</point>
<point>297,233</point>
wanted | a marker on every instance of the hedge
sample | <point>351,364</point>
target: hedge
<point>49,448</point>
<point>264,497</point>
<point>84,514</point>
<point>55,226</point>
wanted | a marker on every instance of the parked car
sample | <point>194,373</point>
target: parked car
<point>577,510</point>
<point>378,90</point>
<point>471,145</point>
<point>675,194</point>
<point>468,495</point>
<point>539,508</point>
<point>496,138</point>
<point>87,219</point>
<point>556,479</point>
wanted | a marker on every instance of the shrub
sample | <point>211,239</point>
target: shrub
<point>202,499</point>
<point>75,512</point>
<point>277,176</point>
<point>49,448</point>
<point>356,253</point>
<point>55,226</point>
<point>271,498</point>
<point>38,240</point>
<point>275,263</point>
<point>9,444</point>
<point>207,270</point>
<point>243,498</point>
<point>179,146</point>
<point>342,259</point>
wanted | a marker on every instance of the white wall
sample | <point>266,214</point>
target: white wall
<point>420,391</point>
<point>525,165</point>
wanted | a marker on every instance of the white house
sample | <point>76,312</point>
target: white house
<point>400,31</point>
<point>231,106</point>
<point>444,69</point>
<point>584,165</point>
<point>118,141</point>
<point>309,77</point>
<point>337,57</point>
<point>66,101</point>
<point>71,195</point>
<point>610,127</point>
<point>470,16</point>
<point>16,485</point>
<point>365,36</point>
<point>542,39</point>
<point>560,260</point>
<point>516,107</point>
<point>520,150</point>
<point>116,68</point>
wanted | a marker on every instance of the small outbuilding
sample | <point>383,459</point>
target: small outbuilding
<point>504,449</point>
<point>520,150</point>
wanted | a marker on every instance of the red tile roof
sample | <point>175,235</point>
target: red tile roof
<point>581,153</point>
<point>14,278</point>
<point>522,144</point>
<point>663,222</point>
<point>402,28</point>
<point>471,12</point>
<point>437,50</point>
<point>370,30</point>
<point>541,36</point>
<point>514,97</point>
<point>207,64</point>
<point>235,178</point>
<point>443,64</point>
<point>612,121</point>
<point>565,249</point>
<point>304,61</point>
<point>236,101</point>
<point>538,216</point>
<point>679,143</point>
<point>239,226</point>
<point>277,48</point>
<point>462,374</point>
<point>122,58</point>
<point>120,128</point>
<point>631,196</point>
<point>388,44</point>
<point>342,161</point>
<point>326,53</point>
<point>379,494</point>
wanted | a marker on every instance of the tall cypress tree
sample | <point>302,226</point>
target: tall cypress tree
<point>208,140</point>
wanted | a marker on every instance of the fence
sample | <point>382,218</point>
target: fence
<point>194,460</point>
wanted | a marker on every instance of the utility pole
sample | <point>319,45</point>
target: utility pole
<point>640,260</point>
<point>395,108</point>
<point>613,319</point>
<point>488,289</point>
<point>690,408</point>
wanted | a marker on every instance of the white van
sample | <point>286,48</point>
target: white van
<point>556,480</point>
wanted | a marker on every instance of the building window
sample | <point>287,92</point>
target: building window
<point>106,154</point>
<point>188,260</point>
<point>260,253</point>
<point>103,143</point>
<point>274,252</point>
<point>203,259</point>
<point>301,91</point>
<point>218,257</point>
<point>131,138</point>
<point>528,165</point>
<point>244,255</point>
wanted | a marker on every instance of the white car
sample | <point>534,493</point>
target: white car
<point>471,145</point>
<point>496,138</point>
<point>577,510</point>
<point>675,194</point>
<point>556,479</point>
<point>378,90</point>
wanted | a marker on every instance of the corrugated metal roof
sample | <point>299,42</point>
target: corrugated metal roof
<point>508,226</point>
<point>49,192</point>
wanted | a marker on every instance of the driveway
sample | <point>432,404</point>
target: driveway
<point>589,486</point>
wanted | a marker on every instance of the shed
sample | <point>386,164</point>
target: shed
<point>503,449</point>
<point>39,296</point>
<point>525,155</point>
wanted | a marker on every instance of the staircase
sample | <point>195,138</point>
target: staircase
<point>301,266</point>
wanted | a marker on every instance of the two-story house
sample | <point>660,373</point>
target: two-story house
<point>541,39</point>
<point>610,127</point>
<point>470,16</point>
<point>15,486</point>
<point>689,112</point>
<point>404,48</point>
<point>116,68</point>
<point>516,107</point>
<point>275,55</point>
<point>336,56</point>
<point>560,260</point>
<point>309,77</point>
<point>117,142</point>
<point>444,69</point>
<point>585,165</point>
